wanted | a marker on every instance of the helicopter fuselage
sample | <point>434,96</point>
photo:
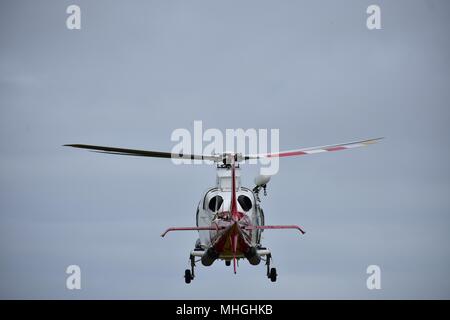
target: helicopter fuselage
<point>213,210</point>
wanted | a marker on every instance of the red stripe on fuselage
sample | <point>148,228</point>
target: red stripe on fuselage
<point>233,209</point>
<point>234,212</point>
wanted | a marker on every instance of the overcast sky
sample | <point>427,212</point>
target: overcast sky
<point>137,70</point>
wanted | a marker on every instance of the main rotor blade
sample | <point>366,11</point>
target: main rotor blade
<point>140,153</point>
<point>311,150</point>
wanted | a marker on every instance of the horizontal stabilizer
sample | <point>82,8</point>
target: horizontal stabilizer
<point>275,227</point>
<point>216,228</point>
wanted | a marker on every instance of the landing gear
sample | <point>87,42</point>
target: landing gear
<point>227,263</point>
<point>189,274</point>
<point>271,272</point>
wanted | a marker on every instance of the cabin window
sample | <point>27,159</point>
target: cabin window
<point>245,202</point>
<point>215,203</point>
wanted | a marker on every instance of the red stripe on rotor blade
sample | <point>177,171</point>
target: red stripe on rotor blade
<point>335,148</point>
<point>286,154</point>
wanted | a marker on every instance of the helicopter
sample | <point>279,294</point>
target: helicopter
<point>229,216</point>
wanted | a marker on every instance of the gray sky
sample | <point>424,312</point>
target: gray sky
<point>137,70</point>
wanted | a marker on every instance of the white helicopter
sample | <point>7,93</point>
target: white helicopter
<point>229,217</point>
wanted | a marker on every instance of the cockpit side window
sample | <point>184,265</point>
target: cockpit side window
<point>215,203</point>
<point>245,202</point>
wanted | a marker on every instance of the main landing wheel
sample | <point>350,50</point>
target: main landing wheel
<point>188,276</point>
<point>273,274</point>
<point>227,263</point>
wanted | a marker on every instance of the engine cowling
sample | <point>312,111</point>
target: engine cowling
<point>262,180</point>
